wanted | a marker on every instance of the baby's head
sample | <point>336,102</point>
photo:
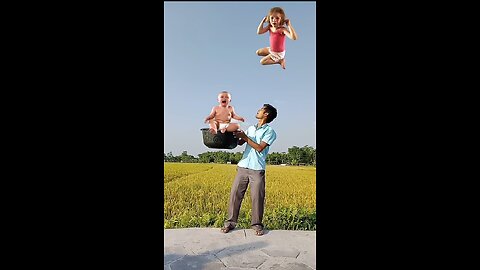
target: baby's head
<point>276,16</point>
<point>224,98</point>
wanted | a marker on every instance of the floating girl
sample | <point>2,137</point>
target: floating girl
<point>275,54</point>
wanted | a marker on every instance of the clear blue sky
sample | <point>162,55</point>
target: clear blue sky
<point>210,47</point>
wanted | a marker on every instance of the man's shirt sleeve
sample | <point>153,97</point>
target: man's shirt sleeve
<point>269,137</point>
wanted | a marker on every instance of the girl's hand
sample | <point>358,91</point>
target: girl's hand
<point>287,22</point>
<point>265,19</point>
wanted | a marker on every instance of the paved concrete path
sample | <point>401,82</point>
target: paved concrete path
<point>240,249</point>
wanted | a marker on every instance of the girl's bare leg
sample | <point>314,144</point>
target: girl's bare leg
<point>282,63</point>
<point>263,51</point>
<point>267,60</point>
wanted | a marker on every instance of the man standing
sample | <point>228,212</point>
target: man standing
<point>251,169</point>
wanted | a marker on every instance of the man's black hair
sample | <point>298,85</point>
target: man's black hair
<point>272,112</point>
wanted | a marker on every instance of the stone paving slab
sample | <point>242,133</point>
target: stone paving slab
<point>240,249</point>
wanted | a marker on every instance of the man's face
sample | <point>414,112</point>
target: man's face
<point>261,113</point>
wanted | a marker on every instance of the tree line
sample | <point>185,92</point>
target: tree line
<point>306,155</point>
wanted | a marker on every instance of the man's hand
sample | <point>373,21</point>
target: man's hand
<point>240,134</point>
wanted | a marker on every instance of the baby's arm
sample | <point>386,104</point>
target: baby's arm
<point>290,33</point>
<point>235,116</point>
<point>261,29</point>
<point>211,115</point>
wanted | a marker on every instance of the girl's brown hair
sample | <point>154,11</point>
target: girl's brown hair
<point>277,10</point>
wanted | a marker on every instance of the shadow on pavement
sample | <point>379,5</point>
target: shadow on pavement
<point>248,231</point>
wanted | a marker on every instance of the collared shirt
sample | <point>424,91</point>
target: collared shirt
<point>252,159</point>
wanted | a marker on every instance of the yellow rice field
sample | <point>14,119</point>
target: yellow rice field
<point>196,195</point>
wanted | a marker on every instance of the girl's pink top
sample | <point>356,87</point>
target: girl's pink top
<point>277,41</point>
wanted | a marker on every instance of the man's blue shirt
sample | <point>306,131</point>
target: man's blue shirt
<point>252,159</point>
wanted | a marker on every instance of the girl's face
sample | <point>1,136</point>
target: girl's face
<point>275,19</point>
<point>223,99</point>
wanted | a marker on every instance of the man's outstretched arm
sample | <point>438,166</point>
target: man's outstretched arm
<point>254,145</point>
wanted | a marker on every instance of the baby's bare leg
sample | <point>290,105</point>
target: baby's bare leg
<point>233,127</point>
<point>213,126</point>
<point>262,51</point>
